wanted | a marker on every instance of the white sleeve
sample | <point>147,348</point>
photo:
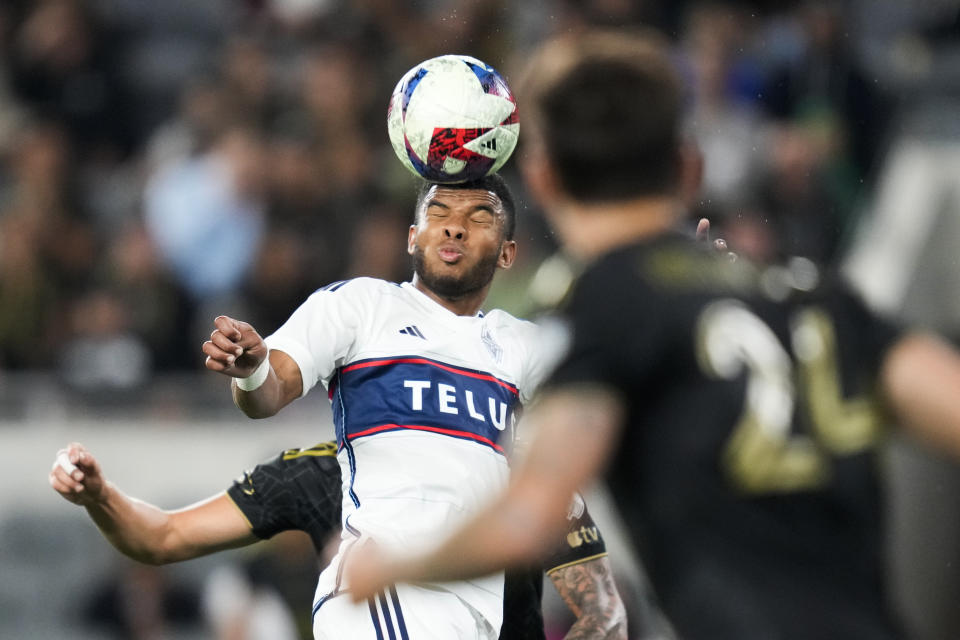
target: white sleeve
<point>320,333</point>
<point>547,342</point>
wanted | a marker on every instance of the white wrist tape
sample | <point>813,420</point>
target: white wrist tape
<point>64,461</point>
<point>257,378</point>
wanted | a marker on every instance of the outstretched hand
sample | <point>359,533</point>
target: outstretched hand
<point>234,349</point>
<point>719,245</point>
<point>76,475</point>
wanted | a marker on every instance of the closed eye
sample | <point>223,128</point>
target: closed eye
<point>482,217</point>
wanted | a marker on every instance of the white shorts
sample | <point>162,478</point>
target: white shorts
<point>403,612</point>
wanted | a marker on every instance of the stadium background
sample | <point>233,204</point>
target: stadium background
<point>165,162</point>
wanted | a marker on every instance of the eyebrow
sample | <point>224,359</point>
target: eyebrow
<point>479,207</point>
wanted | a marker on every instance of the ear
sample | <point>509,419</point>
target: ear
<point>540,177</point>
<point>508,253</point>
<point>412,239</point>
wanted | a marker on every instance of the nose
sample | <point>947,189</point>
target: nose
<point>454,229</point>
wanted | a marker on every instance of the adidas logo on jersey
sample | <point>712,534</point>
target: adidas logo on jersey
<point>412,331</point>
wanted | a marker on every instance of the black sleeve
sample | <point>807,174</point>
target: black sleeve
<point>582,540</point>
<point>299,489</point>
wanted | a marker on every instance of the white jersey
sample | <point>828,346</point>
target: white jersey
<point>423,402</point>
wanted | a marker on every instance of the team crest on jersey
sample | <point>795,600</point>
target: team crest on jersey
<point>576,508</point>
<point>496,351</point>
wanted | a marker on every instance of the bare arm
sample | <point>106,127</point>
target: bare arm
<point>920,380</point>
<point>575,432</point>
<point>236,349</point>
<point>590,592</point>
<point>143,531</point>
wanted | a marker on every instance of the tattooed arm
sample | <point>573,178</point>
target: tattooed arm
<point>588,589</point>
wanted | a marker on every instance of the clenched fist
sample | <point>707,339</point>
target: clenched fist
<point>234,349</point>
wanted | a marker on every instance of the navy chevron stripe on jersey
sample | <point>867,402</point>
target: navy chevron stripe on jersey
<point>396,607</point>
<point>349,527</point>
<point>375,618</point>
<point>333,286</point>
<point>386,615</point>
<point>416,393</point>
<point>339,415</point>
<point>323,600</point>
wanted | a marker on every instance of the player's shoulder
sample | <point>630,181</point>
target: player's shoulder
<point>521,334</point>
<point>320,450</point>
<point>359,285</point>
<point>321,456</point>
<point>665,268</point>
<point>354,291</point>
<point>500,319</point>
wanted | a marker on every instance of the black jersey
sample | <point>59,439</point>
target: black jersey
<point>746,470</point>
<point>297,490</point>
<point>300,490</point>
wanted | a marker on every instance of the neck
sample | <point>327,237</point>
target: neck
<point>591,230</point>
<point>468,305</point>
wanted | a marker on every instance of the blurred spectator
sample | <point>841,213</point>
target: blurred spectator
<point>302,204</point>
<point>828,76</point>
<point>156,307</point>
<point>205,214</point>
<point>247,79</point>
<point>341,111</point>
<point>197,121</point>
<point>379,243</point>
<point>140,602</point>
<point>268,595</point>
<point>280,282</point>
<point>62,65</point>
<point>44,189</point>
<point>28,296</point>
<point>12,112</point>
<point>806,189</point>
<point>237,609</point>
<point>101,352</point>
<point>726,125</point>
<point>781,112</point>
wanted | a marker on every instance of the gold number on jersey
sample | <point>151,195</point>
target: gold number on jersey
<point>762,455</point>
<point>843,426</point>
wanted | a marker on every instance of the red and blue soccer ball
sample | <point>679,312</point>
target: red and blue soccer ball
<point>452,119</point>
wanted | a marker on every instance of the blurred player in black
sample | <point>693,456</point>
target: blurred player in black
<point>738,412</point>
<point>300,489</point>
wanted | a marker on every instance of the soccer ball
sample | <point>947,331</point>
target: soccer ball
<point>452,119</point>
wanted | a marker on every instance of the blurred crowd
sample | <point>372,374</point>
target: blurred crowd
<point>162,163</point>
